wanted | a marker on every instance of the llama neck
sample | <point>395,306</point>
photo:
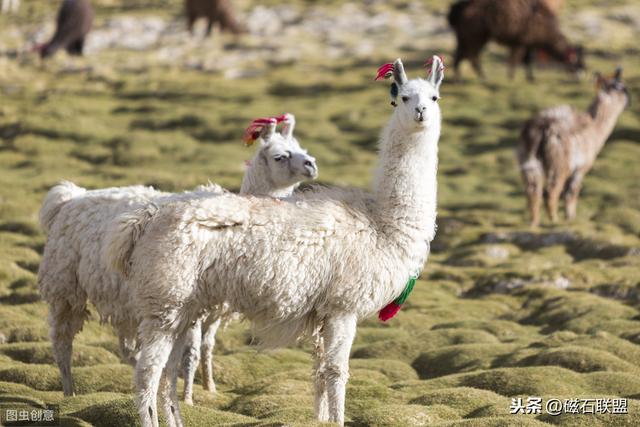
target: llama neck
<point>258,183</point>
<point>405,185</point>
<point>604,115</point>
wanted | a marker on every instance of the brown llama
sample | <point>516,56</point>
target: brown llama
<point>521,25</point>
<point>74,21</point>
<point>219,11</point>
<point>557,147</point>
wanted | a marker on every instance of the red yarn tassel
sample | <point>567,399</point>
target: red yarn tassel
<point>389,311</point>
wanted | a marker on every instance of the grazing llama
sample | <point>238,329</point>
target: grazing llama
<point>219,11</point>
<point>72,271</point>
<point>317,263</point>
<point>522,25</point>
<point>558,146</point>
<point>75,18</point>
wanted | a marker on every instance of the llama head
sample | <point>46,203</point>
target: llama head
<point>574,59</point>
<point>415,101</point>
<point>613,89</point>
<point>280,162</point>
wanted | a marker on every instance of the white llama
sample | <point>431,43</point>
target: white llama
<point>280,155</point>
<point>316,263</point>
<point>72,271</point>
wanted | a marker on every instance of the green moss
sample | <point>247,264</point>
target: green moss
<point>41,353</point>
<point>407,415</point>
<point>262,406</point>
<point>459,358</point>
<point>118,118</point>
<point>407,349</point>
<point>466,401</point>
<point>394,370</point>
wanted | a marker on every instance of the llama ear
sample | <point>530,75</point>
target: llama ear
<point>289,124</point>
<point>399,75</point>
<point>598,80</point>
<point>267,132</point>
<point>259,128</point>
<point>435,70</point>
<point>618,74</point>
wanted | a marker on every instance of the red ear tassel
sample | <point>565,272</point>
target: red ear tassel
<point>281,118</point>
<point>389,311</point>
<point>385,72</point>
<point>253,131</point>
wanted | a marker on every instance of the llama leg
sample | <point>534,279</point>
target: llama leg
<point>209,27</point>
<point>168,384</point>
<point>155,349</point>
<point>338,334</point>
<point>64,323</point>
<point>477,66</point>
<point>533,181</point>
<point>528,63</point>
<point>127,343</point>
<point>457,59</point>
<point>516,56</point>
<point>554,190</point>
<point>572,191</point>
<point>208,342</point>
<point>321,403</point>
<point>191,359</point>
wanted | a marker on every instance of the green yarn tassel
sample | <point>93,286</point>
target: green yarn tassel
<point>407,290</point>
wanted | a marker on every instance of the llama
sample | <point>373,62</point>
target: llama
<point>269,175</point>
<point>215,11</point>
<point>72,272</point>
<point>521,25</point>
<point>313,264</point>
<point>75,18</point>
<point>10,6</point>
<point>559,145</point>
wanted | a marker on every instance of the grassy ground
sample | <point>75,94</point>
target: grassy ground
<point>499,311</point>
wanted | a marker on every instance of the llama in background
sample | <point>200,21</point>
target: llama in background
<point>219,11</point>
<point>75,18</point>
<point>521,25</point>
<point>559,145</point>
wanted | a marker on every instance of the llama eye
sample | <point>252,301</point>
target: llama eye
<point>434,98</point>
<point>278,158</point>
<point>405,99</point>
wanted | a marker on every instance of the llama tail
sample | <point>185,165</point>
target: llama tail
<point>455,12</point>
<point>60,194</point>
<point>123,234</point>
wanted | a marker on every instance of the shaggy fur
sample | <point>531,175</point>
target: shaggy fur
<point>275,171</point>
<point>317,263</point>
<point>75,18</point>
<point>219,11</point>
<point>558,146</point>
<point>72,271</point>
<point>522,25</point>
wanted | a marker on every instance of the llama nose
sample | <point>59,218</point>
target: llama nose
<point>312,169</point>
<point>420,109</point>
